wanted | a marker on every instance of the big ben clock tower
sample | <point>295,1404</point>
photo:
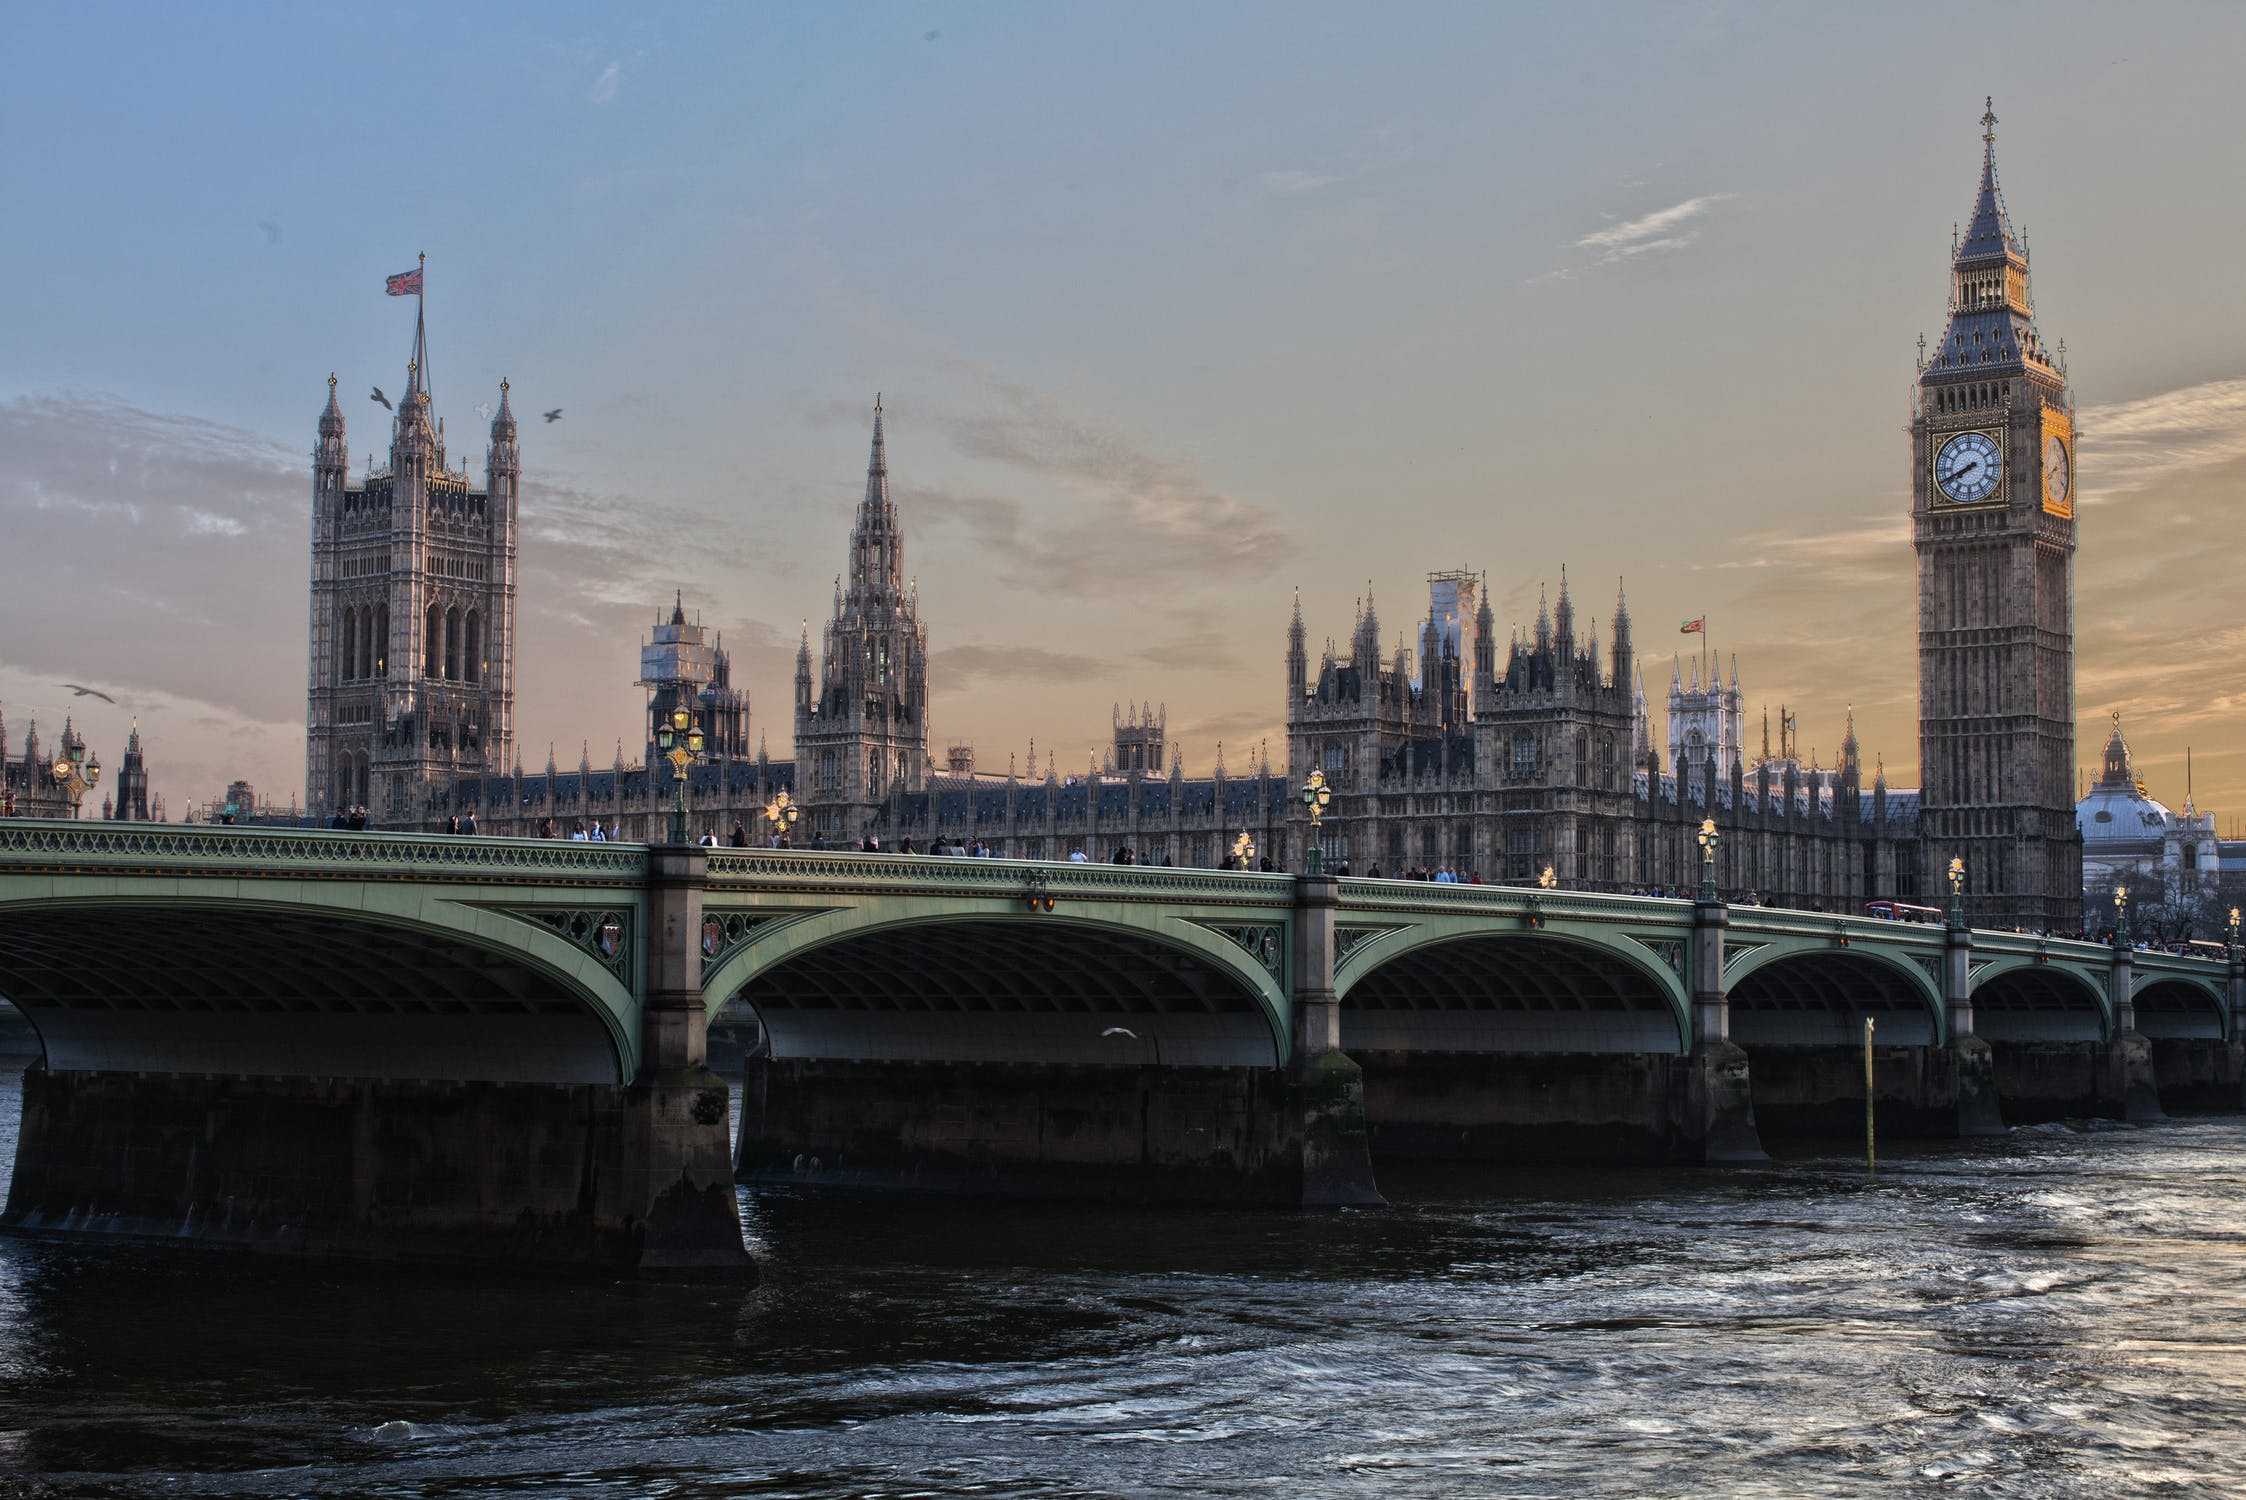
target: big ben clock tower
<point>1992,521</point>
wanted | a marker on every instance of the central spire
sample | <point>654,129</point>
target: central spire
<point>877,550</point>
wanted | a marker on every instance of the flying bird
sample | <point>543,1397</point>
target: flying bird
<point>87,692</point>
<point>1120,1031</point>
<point>385,400</point>
<point>483,410</point>
<point>272,231</point>
<point>554,415</point>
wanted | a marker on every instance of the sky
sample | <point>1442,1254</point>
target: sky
<point>1174,310</point>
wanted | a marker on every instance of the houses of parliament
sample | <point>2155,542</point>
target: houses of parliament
<point>1494,758</point>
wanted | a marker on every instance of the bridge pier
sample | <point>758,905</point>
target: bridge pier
<point>1971,1061</point>
<point>2127,1082</point>
<point>1326,1086</point>
<point>1719,1095</point>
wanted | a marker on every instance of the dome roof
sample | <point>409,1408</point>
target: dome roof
<point>2117,811</point>
<point>2120,815</point>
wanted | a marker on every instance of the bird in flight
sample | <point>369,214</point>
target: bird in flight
<point>385,400</point>
<point>554,415</point>
<point>87,692</point>
<point>1120,1031</point>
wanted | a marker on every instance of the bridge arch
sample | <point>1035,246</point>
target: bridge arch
<point>1441,987</point>
<point>988,984</point>
<point>330,980</point>
<point>2173,1006</point>
<point>2018,999</point>
<point>1816,992</point>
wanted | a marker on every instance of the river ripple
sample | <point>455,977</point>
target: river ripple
<point>2054,1314</point>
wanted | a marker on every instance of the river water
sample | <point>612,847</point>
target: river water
<point>2054,1314</point>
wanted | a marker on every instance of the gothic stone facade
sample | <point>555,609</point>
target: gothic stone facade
<point>412,674</point>
<point>1992,519</point>
<point>1545,765</point>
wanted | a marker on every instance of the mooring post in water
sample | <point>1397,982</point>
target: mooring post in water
<point>1871,1159</point>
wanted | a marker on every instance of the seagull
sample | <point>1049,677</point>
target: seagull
<point>385,400</point>
<point>272,231</point>
<point>1120,1031</point>
<point>87,692</point>
<point>554,415</point>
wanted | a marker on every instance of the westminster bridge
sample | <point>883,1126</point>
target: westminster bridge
<point>476,1049</point>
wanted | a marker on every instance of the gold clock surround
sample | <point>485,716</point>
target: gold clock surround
<point>2058,424</point>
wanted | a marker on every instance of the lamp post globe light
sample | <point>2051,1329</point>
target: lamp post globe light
<point>1957,891</point>
<point>1548,878</point>
<point>76,773</point>
<point>680,741</point>
<point>2121,916</point>
<point>1707,838</point>
<point>781,812</point>
<point>1244,851</point>
<point>1316,798</point>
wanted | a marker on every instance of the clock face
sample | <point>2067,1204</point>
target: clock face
<point>1968,467</point>
<point>2058,476</point>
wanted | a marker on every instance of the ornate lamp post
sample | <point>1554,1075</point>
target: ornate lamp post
<point>1316,797</point>
<point>1244,851</point>
<point>76,773</point>
<point>1957,891</point>
<point>2234,931</point>
<point>781,812</point>
<point>680,740</point>
<point>1707,838</point>
<point>2121,916</point>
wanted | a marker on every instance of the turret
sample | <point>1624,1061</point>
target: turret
<point>1623,650</point>
<point>803,674</point>
<point>1563,623</point>
<point>1485,653</point>
<point>333,451</point>
<point>1298,660</point>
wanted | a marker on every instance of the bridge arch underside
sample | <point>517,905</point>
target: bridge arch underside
<point>1822,998</point>
<point>278,993</point>
<point>2178,1010</point>
<point>1509,992</point>
<point>1011,991</point>
<point>2038,1004</point>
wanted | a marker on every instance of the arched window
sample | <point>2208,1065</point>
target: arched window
<point>472,647</point>
<point>452,644</point>
<point>432,653</point>
<point>346,657</point>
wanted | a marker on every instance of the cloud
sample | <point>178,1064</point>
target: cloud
<point>1661,232</point>
<point>1196,651</point>
<point>1293,183</point>
<point>956,668</point>
<point>2129,447</point>
<point>1648,231</point>
<point>604,87</point>
<point>1136,521</point>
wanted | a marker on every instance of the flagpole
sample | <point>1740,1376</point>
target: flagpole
<point>421,316</point>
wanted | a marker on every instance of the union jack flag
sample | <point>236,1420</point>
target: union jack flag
<point>404,284</point>
<point>1698,625</point>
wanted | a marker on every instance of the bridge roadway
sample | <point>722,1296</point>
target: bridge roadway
<point>436,1048</point>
